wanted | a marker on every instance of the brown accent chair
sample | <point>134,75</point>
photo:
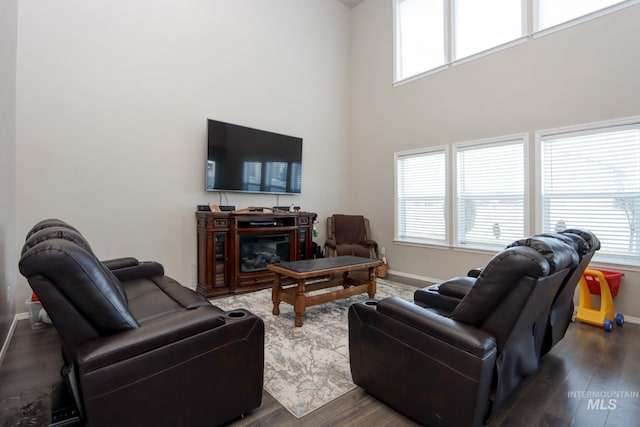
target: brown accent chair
<point>140,348</point>
<point>350,235</point>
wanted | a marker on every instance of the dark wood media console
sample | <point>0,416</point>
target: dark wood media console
<point>234,248</point>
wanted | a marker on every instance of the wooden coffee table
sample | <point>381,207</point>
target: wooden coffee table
<point>301,271</point>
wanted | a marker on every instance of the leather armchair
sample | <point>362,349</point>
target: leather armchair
<point>583,241</point>
<point>350,235</point>
<point>444,364</point>
<point>562,309</point>
<point>143,350</point>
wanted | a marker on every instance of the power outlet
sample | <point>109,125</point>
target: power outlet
<point>382,251</point>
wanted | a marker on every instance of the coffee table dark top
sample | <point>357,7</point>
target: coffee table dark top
<point>309,265</point>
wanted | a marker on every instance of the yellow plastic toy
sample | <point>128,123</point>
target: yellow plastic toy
<point>598,282</point>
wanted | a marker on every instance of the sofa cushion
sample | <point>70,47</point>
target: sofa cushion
<point>83,280</point>
<point>496,281</point>
<point>66,232</point>
<point>49,222</point>
<point>349,229</point>
<point>154,297</point>
<point>55,232</point>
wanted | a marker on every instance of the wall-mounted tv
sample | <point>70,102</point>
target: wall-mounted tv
<point>241,158</point>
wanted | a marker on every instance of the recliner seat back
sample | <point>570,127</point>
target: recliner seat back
<point>77,291</point>
<point>585,243</point>
<point>511,299</point>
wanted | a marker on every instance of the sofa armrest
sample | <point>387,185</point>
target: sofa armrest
<point>460,335</point>
<point>330,243</point>
<point>139,271</point>
<point>428,367</point>
<point>475,272</point>
<point>117,263</point>
<point>187,369</point>
<point>125,345</point>
<point>457,287</point>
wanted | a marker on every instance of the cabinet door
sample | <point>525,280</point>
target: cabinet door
<point>219,258</point>
<point>303,236</point>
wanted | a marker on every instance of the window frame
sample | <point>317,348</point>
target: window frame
<point>522,138</point>
<point>424,242</point>
<point>528,26</point>
<point>536,32</point>
<point>568,131</point>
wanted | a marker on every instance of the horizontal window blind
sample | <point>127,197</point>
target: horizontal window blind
<point>421,197</point>
<point>490,188</point>
<point>592,180</point>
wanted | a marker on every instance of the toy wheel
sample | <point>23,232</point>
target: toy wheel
<point>608,325</point>
<point>619,319</point>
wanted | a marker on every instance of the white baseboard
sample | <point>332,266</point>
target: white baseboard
<point>415,276</point>
<point>7,339</point>
<point>631,319</point>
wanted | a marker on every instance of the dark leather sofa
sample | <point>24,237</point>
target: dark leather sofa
<point>141,348</point>
<point>583,241</point>
<point>457,352</point>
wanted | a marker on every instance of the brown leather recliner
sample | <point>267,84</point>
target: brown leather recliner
<point>444,365</point>
<point>143,349</point>
<point>560,315</point>
<point>350,235</point>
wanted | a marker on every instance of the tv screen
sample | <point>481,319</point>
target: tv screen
<point>240,158</point>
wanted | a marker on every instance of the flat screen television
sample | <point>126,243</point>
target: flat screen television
<point>241,158</point>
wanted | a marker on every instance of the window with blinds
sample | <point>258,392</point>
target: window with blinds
<point>591,179</point>
<point>421,196</point>
<point>490,192</point>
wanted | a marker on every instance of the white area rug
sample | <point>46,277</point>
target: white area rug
<point>307,367</point>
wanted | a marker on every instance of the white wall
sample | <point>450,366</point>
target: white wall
<point>584,74</point>
<point>112,102</point>
<point>8,257</point>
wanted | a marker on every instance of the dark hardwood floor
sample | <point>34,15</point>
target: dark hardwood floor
<point>587,360</point>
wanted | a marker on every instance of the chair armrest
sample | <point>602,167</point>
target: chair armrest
<point>458,334</point>
<point>331,243</point>
<point>117,263</point>
<point>139,271</point>
<point>444,297</point>
<point>125,345</point>
<point>430,368</point>
<point>475,272</point>
<point>370,242</point>
<point>457,287</point>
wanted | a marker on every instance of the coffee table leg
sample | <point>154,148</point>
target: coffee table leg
<point>275,294</point>
<point>345,280</point>
<point>300,303</point>
<point>371,290</point>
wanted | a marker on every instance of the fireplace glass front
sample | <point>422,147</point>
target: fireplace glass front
<point>256,252</point>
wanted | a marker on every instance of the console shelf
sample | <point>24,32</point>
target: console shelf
<point>234,248</point>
